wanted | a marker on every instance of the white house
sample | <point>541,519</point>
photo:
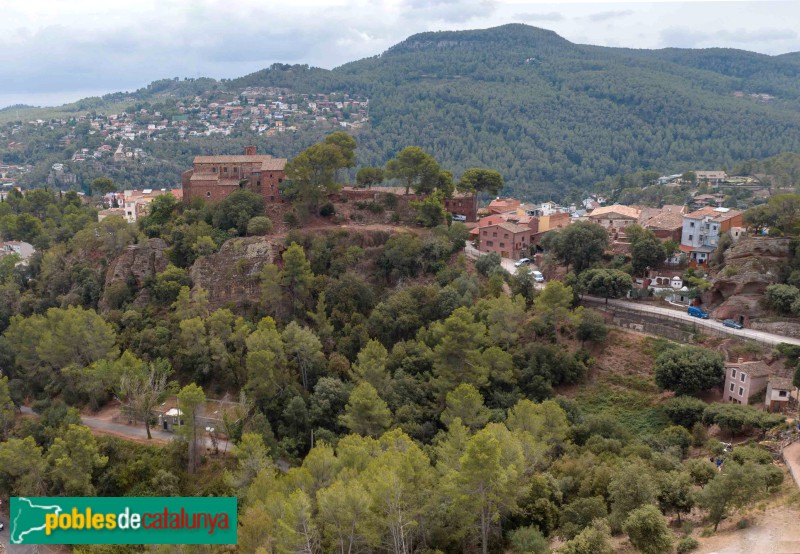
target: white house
<point>22,249</point>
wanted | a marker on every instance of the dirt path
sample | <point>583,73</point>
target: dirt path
<point>135,433</point>
<point>774,531</point>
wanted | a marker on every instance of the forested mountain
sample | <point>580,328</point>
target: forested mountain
<point>551,115</point>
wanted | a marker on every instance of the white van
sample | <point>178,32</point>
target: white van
<point>537,276</point>
<point>458,217</point>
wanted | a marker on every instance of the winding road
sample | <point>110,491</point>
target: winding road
<point>675,314</point>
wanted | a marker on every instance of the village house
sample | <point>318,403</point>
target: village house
<point>503,205</point>
<point>22,249</point>
<point>136,202</point>
<point>507,239</point>
<point>463,205</point>
<point>109,212</point>
<point>666,225</point>
<point>213,178</point>
<point>543,209</point>
<point>703,200</point>
<point>744,379</point>
<point>702,229</point>
<point>713,178</point>
<point>614,218</point>
<point>779,393</point>
<point>537,226</point>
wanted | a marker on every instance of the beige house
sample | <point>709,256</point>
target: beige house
<point>779,392</point>
<point>616,217</point>
<point>744,379</point>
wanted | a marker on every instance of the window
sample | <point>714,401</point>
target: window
<point>258,183</point>
<point>494,234</point>
<point>741,391</point>
<point>782,393</point>
<point>280,180</point>
<point>224,169</point>
<point>502,245</point>
<point>730,398</point>
<point>742,376</point>
<point>691,224</point>
<point>715,227</point>
<point>732,387</point>
<point>733,373</point>
<point>505,235</point>
<point>236,170</point>
<point>489,243</point>
<point>214,169</point>
<point>485,233</point>
<point>208,194</point>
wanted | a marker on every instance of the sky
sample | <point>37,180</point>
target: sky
<point>57,51</point>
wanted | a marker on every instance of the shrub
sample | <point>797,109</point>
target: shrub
<point>291,219</point>
<point>259,225</point>
<point>687,544</point>
<point>684,410</point>
<point>689,369</point>
<point>528,540</point>
<point>327,210</point>
<point>781,297</point>
<point>486,263</point>
<point>742,454</point>
<point>389,200</point>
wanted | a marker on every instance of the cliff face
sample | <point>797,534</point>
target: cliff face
<point>134,266</point>
<point>751,265</point>
<point>231,275</point>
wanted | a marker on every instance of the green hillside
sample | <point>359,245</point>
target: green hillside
<point>550,115</point>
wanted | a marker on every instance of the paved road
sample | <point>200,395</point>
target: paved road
<point>680,314</point>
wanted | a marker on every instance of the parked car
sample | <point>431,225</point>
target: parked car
<point>521,262</point>
<point>458,217</point>
<point>697,312</point>
<point>732,323</point>
<point>537,276</point>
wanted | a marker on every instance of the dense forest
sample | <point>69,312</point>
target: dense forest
<point>550,115</point>
<point>394,396</point>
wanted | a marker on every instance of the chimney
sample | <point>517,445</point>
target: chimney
<point>741,360</point>
<point>249,150</point>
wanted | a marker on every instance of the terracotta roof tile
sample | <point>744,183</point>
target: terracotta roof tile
<point>627,211</point>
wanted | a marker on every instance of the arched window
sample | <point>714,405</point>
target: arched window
<point>208,194</point>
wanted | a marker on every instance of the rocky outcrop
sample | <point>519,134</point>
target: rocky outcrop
<point>231,275</point>
<point>132,269</point>
<point>751,265</point>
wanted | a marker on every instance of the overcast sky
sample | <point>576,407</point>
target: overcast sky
<point>55,51</point>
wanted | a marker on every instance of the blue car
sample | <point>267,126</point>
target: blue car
<point>733,324</point>
<point>697,312</point>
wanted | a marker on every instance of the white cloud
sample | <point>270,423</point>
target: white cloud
<point>52,46</point>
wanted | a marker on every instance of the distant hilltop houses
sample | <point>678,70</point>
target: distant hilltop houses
<point>263,110</point>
